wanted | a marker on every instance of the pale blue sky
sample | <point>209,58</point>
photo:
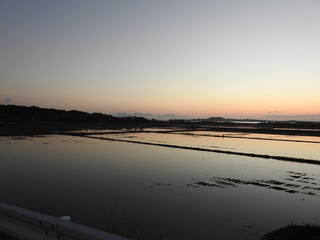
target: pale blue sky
<point>199,58</point>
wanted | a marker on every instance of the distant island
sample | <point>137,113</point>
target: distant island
<point>221,119</point>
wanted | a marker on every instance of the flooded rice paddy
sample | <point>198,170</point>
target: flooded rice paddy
<point>159,192</point>
<point>284,146</point>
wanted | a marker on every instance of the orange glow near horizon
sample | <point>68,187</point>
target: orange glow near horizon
<point>200,109</point>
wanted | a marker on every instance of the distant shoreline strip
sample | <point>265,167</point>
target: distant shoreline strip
<point>282,158</point>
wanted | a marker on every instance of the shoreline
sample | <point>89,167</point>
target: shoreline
<point>38,128</point>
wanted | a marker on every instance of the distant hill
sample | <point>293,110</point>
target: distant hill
<point>215,119</point>
<point>14,113</point>
<point>220,119</point>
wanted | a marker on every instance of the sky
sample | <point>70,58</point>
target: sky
<point>228,58</point>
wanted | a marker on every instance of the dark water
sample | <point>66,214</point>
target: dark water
<point>157,192</point>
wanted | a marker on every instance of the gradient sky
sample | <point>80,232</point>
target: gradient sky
<point>229,58</point>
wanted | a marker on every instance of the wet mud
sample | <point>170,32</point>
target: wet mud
<point>291,183</point>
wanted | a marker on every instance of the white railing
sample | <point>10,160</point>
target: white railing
<point>29,225</point>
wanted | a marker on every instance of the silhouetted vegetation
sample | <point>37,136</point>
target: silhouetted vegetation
<point>13,113</point>
<point>22,121</point>
<point>6,237</point>
<point>293,232</point>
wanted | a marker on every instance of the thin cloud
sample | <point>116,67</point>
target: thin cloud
<point>273,112</point>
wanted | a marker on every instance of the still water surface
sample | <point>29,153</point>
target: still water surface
<point>262,144</point>
<point>156,192</point>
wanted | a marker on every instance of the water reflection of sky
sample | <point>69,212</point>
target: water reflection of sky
<point>257,146</point>
<point>256,135</point>
<point>156,188</point>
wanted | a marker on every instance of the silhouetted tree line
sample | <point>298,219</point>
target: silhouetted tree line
<point>14,113</point>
